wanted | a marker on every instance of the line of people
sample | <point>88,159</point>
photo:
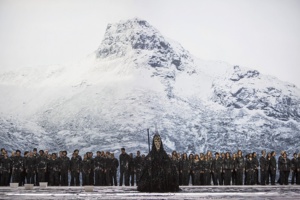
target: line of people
<point>101,170</point>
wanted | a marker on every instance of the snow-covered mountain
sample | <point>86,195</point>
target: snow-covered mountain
<point>138,78</point>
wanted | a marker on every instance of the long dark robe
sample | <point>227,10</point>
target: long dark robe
<point>159,173</point>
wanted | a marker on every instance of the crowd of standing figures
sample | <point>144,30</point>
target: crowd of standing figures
<point>101,170</point>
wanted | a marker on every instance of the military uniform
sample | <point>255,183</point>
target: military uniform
<point>91,175</point>
<point>108,175</point>
<point>42,162</point>
<point>131,170</point>
<point>113,170</point>
<point>75,170</point>
<point>263,170</point>
<point>17,168</point>
<point>124,162</point>
<point>138,163</point>
<point>54,169</point>
<point>85,168</point>
<point>64,162</point>
<point>5,167</point>
<point>99,167</point>
<point>30,167</point>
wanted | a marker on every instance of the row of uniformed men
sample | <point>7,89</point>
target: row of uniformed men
<point>44,167</point>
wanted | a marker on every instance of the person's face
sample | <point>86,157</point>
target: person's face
<point>240,154</point>
<point>157,143</point>
<point>284,155</point>
<point>138,153</point>
<point>98,154</point>
<point>64,154</point>
<point>295,156</point>
<point>18,154</point>
<point>217,156</point>
<point>123,151</point>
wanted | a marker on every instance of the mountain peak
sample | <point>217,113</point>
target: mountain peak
<point>138,37</point>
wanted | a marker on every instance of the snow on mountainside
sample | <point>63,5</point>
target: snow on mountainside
<point>138,78</point>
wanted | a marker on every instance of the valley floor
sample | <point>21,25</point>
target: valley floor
<point>187,192</point>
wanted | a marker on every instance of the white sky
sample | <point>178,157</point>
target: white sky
<point>260,34</point>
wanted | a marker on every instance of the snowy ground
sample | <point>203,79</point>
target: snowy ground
<point>188,192</point>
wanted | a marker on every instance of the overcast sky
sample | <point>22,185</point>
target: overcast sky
<point>259,34</point>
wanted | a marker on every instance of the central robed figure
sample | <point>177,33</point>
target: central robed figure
<point>159,173</point>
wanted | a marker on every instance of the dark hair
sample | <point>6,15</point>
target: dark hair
<point>122,149</point>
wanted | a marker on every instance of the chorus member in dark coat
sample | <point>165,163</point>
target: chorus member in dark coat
<point>191,174</point>
<point>124,167</point>
<point>185,169</point>
<point>64,169</point>
<point>250,170</point>
<point>239,168</point>
<point>255,159</point>
<point>5,167</point>
<point>108,166</point>
<point>30,166</point>
<point>207,170</point>
<point>17,167</point>
<point>263,168</point>
<point>99,167</point>
<point>54,168</point>
<point>234,171</point>
<point>85,168</point>
<point>131,169</point>
<point>114,169</point>
<point>294,163</point>
<point>285,167</point>
<point>227,169</point>
<point>159,173</point>
<point>268,172</point>
<point>92,174</point>
<point>41,164</point>
<point>75,168</point>
<point>217,169</point>
<point>175,163</point>
<point>273,167</point>
<point>138,164</point>
<point>196,168</point>
<point>298,170</point>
